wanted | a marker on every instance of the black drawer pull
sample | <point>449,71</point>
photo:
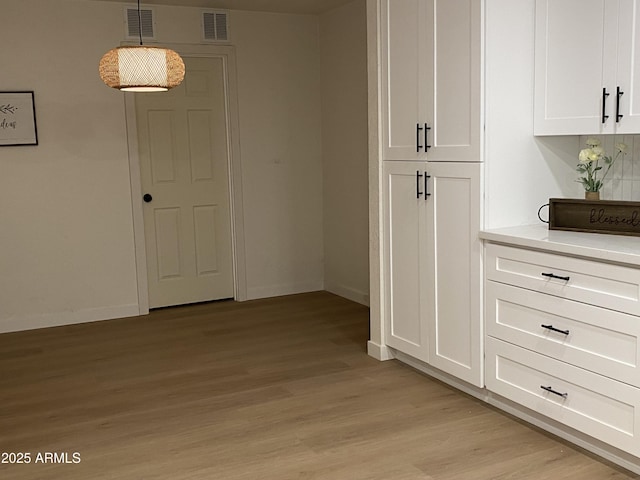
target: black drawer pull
<point>551,390</point>
<point>418,130</point>
<point>552,275</point>
<point>426,186</point>
<point>418,177</point>
<point>554,329</point>
<point>619,93</point>
<point>426,137</point>
<point>604,105</point>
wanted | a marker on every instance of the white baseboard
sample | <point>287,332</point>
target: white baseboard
<point>30,322</point>
<point>352,294</point>
<point>379,352</point>
<point>254,293</point>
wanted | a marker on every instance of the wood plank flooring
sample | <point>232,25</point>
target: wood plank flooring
<point>272,389</point>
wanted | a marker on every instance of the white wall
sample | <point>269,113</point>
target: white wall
<point>65,218</point>
<point>281,142</point>
<point>279,97</point>
<point>623,181</point>
<point>522,171</point>
<point>343,41</point>
<point>66,228</point>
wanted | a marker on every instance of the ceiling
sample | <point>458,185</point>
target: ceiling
<point>311,7</point>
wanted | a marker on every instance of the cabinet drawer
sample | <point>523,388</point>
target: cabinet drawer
<point>610,286</point>
<point>593,404</point>
<point>596,339</point>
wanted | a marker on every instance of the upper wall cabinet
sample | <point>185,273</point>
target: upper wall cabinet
<point>587,61</point>
<point>431,79</point>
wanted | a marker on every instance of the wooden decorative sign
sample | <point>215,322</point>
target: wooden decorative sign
<point>597,216</point>
<point>17,119</point>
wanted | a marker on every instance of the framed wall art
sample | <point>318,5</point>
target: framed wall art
<point>17,119</point>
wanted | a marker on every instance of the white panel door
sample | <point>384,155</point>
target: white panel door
<point>452,79</point>
<point>454,269</point>
<point>184,161</point>
<point>405,57</point>
<point>432,264</point>
<point>431,79</point>
<point>628,72</point>
<point>404,204</point>
<point>572,66</point>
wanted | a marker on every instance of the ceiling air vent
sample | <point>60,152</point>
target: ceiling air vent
<point>133,24</point>
<point>215,26</point>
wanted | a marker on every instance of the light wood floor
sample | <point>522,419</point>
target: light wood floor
<point>273,389</point>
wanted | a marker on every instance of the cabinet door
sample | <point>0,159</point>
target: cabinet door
<point>403,235</point>
<point>403,53</point>
<point>453,79</point>
<point>628,71</point>
<point>454,270</point>
<point>430,79</point>
<point>572,67</point>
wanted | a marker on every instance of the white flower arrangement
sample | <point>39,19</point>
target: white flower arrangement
<point>592,160</point>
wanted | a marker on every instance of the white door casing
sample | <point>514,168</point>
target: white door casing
<point>205,226</point>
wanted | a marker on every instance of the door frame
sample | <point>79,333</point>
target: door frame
<point>227,54</point>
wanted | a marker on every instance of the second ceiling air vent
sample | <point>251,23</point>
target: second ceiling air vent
<point>215,25</point>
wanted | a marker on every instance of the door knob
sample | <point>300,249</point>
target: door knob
<point>147,198</point>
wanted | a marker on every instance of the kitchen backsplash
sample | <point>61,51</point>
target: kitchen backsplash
<point>623,181</point>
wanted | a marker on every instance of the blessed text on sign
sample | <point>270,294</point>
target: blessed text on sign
<point>603,216</point>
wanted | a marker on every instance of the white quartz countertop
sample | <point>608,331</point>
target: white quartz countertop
<point>609,248</point>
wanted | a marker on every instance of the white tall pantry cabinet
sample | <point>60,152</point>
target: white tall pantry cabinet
<point>430,144</point>
<point>562,343</point>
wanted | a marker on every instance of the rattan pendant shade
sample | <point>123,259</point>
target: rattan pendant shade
<point>141,69</point>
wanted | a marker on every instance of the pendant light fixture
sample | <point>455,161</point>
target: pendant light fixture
<point>141,68</point>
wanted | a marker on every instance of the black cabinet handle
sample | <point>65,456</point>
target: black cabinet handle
<point>418,130</point>
<point>147,198</point>
<point>552,275</point>
<point>554,329</point>
<point>619,93</point>
<point>426,186</point>
<point>551,390</point>
<point>418,176</point>
<point>604,104</point>
<point>426,137</point>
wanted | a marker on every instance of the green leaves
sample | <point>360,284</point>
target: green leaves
<point>589,164</point>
